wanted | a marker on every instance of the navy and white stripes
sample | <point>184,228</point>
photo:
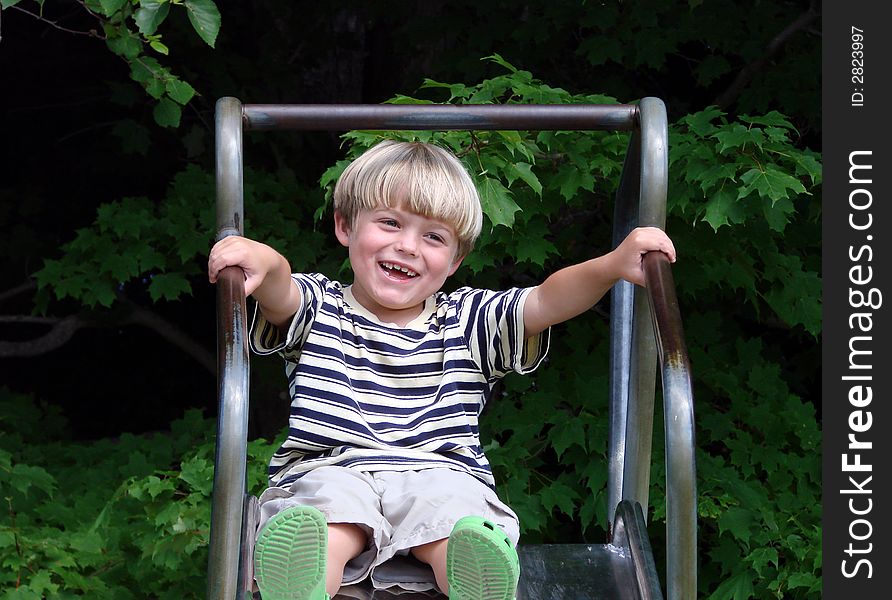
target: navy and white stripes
<point>378,397</point>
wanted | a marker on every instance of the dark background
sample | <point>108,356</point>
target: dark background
<point>63,94</point>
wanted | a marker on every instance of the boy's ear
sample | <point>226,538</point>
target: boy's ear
<point>456,264</point>
<point>342,230</point>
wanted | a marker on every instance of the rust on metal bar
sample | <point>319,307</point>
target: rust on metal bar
<point>678,420</point>
<point>230,461</point>
<point>531,117</point>
<point>667,316</point>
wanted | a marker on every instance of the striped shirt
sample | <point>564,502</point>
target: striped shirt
<point>379,397</point>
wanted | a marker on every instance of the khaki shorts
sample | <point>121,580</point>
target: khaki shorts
<point>398,510</point>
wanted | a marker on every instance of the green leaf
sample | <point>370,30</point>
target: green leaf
<point>774,119</point>
<point>205,19</point>
<point>198,473</point>
<point>87,541</point>
<point>146,69</point>
<point>168,286</point>
<point>8,3</point>
<point>158,47</point>
<point>155,486</point>
<point>500,61</point>
<point>125,44</point>
<point>801,580</point>
<point>808,164</point>
<point>738,136</point>
<point>761,557</point>
<point>769,183</point>
<point>565,434</point>
<point>525,173</point>
<point>738,587</point>
<point>723,208</point>
<point>110,7</point>
<point>179,90</point>
<point>167,113</point>
<point>150,15</point>
<point>777,215</point>
<point>456,90</point>
<point>496,202</point>
<point>102,292</point>
<point>571,179</point>
<point>535,249</point>
<point>558,495</point>
<point>738,521</point>
<point>26,476</point>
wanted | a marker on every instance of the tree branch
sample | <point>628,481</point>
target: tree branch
<point>63,329</point>
<point>58,335</point>
<point>19,289</point>
<point>173,334</point>
<point>745,75</point>
<point>92,33</point>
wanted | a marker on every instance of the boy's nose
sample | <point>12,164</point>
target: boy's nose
<point>407,245</point>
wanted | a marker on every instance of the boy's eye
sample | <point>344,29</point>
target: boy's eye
<point>436,237</point>
<point>389,222</point>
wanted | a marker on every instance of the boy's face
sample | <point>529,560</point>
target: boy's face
<point>399,259</point>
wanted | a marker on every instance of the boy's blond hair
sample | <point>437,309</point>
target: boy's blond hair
<point>424,178</point>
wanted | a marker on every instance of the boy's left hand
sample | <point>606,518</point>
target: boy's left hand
<point>628,256</point>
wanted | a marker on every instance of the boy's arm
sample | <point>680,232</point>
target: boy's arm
<point>267,276</point>
<point>577,288</point>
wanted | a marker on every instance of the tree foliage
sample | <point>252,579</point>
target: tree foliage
<point>130,30</point>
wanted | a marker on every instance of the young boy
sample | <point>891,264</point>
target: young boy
<point>388,377</point>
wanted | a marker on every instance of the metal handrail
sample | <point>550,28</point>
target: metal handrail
<point>640,200</point>
<point>630,533</point>
<point>346,117</point>
<point>230,464</point>
<point>678,419</point>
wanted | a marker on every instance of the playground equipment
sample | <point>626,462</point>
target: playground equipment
<point>645,329</point>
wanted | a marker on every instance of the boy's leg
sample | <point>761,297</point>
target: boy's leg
<point>477,561</point>
<point>434,554</point>
<point>425,508</point>
<point>345,542</point>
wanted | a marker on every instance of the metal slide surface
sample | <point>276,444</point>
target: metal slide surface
<point>624,570</point>
<point>549,572</point>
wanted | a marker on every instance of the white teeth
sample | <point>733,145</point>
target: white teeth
<point>394,267</point>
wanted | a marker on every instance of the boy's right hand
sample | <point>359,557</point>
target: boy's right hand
<point>267,276</point>
<point>255,259</point>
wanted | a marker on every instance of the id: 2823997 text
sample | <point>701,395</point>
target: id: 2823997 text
<point>857,66</point>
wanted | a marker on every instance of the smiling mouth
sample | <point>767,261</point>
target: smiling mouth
<point>397,271</point>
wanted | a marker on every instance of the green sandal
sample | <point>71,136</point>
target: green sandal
<point>290,555</point>
<point>481,562</point>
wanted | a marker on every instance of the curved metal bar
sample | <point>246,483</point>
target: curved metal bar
<point>622,298</point>
<point>230,174</point>
<point>654,177</point>
<point>333,117</point>
<point>631,534</point>
<point>230,466</point>
<point>654,163</point>
<point>678,409</point>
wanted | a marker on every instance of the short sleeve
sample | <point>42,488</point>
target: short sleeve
<point>267,338</point>
<point>492,325</point>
